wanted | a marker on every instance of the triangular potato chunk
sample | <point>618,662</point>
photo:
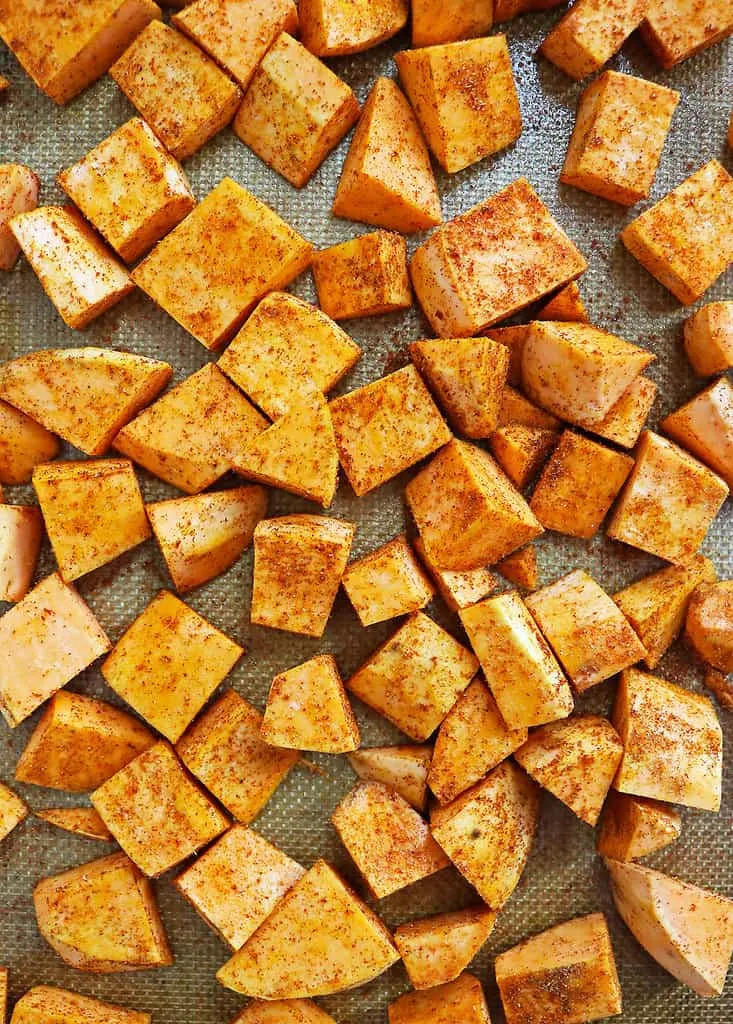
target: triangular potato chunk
<point>320,939</point>
<point>297,453</point>
<point>12,811</point>
<point>435,950</point>
<point>308,709</point>
<point>86,395</point>
<point>520,567</point>
<point>689,931</point>
<point>45,1005</point>
<point>24,444</point>
<point>404,768</point>
<point>567,306</point>
<point>387,178</point>
<point>283,1011</point>
<point>460,1000</point>
<point>522,451</point>
<point>83,821</point>
<point>633,826</point>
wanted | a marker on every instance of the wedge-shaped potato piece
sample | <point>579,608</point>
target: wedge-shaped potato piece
<point>686,239</point>
<point>307,709</point>
<point>12,811</point>
<point>320,939</point>
<point>82,821</point>
<point>202,536</point>
<point>460,1000</point>
<point>522,451</point>
<point>577,371</point>
<point>489,830</point>
<point>285,344</point>
<point>458,589</point>
<point>576,760</point>
<point>688,930</point>
<point>45,1005</point>
<point>526,681</point>
<point>567,973</point>
<point>19,187</point>
<point>472,740</point>
<point>225,751</point>
<point>460,276</point>
<point>513,339</point>
<point>446,21</point>
<point>298,452</point>
<point>295,111</point>
<point>168,663</point>
<point>709,624</point>
<point>23,444</point>
<point>672,742</point>
<point>669,501</point>
<point>385,427</point>
<point>366,276</point>
<point>386,838</point>
<point>386,583</point>
<point>465,98</point>
<point>587,631</point>
<point>520,568</point>
<point>676,29</point>
<point>435,950</point>
<point>567,305</point>
<point>467,375</point>
<point>298,565</point>
<point>625,420</point>
<point>65,49</point>
<point>189,436</point>
<point>21,531</point>
<point>332,28</point>
<point>93,512</point>
<point>708,338</point>
<point>633,826</point>
<point>704,426</point>
<point>211,271</point>
<point>78,273</point>
<point>237,883</point>
<point>515,409</point>
<point>403,768</point>
<point>415,678</point>
<point>591,33</point>
<point>468,513</point>
<point>655,605</point>
<point>387,179</point>
<point>282,1011</point>
<point>237,33</point>
<point>45,641</point>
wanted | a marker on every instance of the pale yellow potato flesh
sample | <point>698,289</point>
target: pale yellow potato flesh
<point>82,821</point>
<point>283,1011</point>
<point>633,826</point>
<point>435,950</point>
<point>522,451</point>
<point>460,1000</point>
<point>591,33</point>
<point>704,426</point>
<point>386,583</point>
<point>12,811</point>
<point>46,1005</point>
<point>446,21</point>
<point>458,589</point>
<point>520,568</point>
<point>403,768</point>
<point>366,276</point>
<point>23,445</point>
<point>333,28</point>
<point>708,337</point>
<point>21,532</point>
<point>709,624</point>
<point>675,29</point>
<point>19,187</point>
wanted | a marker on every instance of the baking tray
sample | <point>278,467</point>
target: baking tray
<point>564,877</point>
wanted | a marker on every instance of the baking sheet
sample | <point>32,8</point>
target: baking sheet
<point>564,877</point>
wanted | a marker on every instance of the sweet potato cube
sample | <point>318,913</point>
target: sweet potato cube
<point>446,21</point>
<point>21,531</point>
<point>466,509</point>
<point>526,681</point>
<point>688,930</point>
<point>465,98</point>
<point>472,740</point>
<point>12,811</point>
<point>237,33</point>
<point>709,624</point>
<point>298,565</point>
<point>79,743</point>
<point>318,940</point>
<point>331,28</point>
<point>78,272</point>
<point>669,501</point>
<point>282,1011</point>
<point>211,270</point>
<point>435,950</point>
<point>567,973</point>
<point>591,33</point>
<point>224,749</point>
<point>190,436</point>
<point>489,830</point>
<point>65,49</point>
<point>633,826</point>
<point>458,589</point>
<point>522,451</point>
<point>513,339</point>
<point>387,179</point>
<point>45,1005</point>
<point>704,426</point>
<point>709,338</point>
<point>624,421</point>
<point>168,663</point>
<point>459,274</point>
<point>672,742</point>
<point>403,768</point>
<point>686,239</point>
<point>587,631</point>
<point>460,1000</point>
<point>366,276</point>
<point>620,130</point>
<point>93,512</point>
<point>84,394</point>
<point>81,821</point>
<point>169,817</point>
<point>285,344</point>
<point>677,29</point>
<point>19,187</point>
<point>567,305</point>
<point>415,677</point>
<point>655,605</point>
<point>23,444</point>
<point>102,917</point>
<point>520,568</point>
<point>45,641</point>
<point>386,583</point>
<point>237,883</point>
<point>386,838</point>
<point>130,188</point>
<point>515,409</point>
<point>295,111</point>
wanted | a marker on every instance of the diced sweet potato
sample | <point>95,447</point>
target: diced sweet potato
<point>625,420</point>
<point>21,531</point>
<point>709,624</point>
<point>366,276</point>
<point>460,1000</point>
<point>282,1011</point>
<point>704,426</point>
<point>386,583</point>
<point>13,810</point>
<point>332,28</point>
<point>709,338</point>
<point>45,1005</point>
<point>403,768</point>
<point>677,29</point>
<point>446,21</point>
<point>633,826</point>
<point>435,950</point>
<point>515,409</point>
<point>458,589</point>
<point>19,187</point>
<point>520,568</point>
<point>591,33</point>
<point>567,305</point>
<point>82,821</point>
<point>522,451</point>
<point>23,444</point>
